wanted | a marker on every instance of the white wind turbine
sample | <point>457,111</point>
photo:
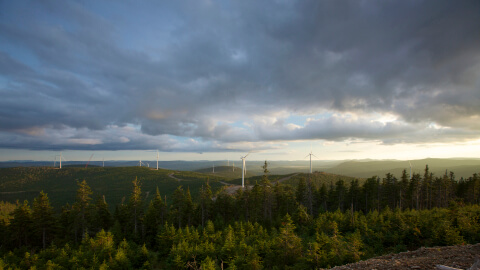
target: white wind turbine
<point>145,164</point>
<point>244,169</point>
<point>157,160</point>
<point>213,168</point>
<point>311,154</point>
<point>60,160</point>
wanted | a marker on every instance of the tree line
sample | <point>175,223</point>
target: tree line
<point>417,191</point>
<point>271,226</point>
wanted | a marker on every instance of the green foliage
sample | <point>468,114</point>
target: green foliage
<point>25,183</point>
<point>266,226</point>
<point>6,211</point>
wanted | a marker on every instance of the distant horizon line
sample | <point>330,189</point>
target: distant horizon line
<point>260,160</point>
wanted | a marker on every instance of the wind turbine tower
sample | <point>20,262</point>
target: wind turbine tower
<point>311,154</point>
<point>157,160</point>
<point>213,169</point>
<point>244,169</point>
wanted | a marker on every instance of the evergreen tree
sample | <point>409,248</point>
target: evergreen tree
<point>178,204</point>
<point>389,188</point>
<point>155,216</point>
<point>288,246</point>
<point>82,207</point>
<point>21,225</point>
<point>206,202</point>
<point>267,203</point>
<point>370,191</point>
<point>309,194</point>
<point>426,187</point>
<point>136,206</point>
<point>403,196</point>
<point>68,231</point>
<point>101,219</point>
<point>415,191</point>
<point>321,197</point>
<point>188,208</point>
<point>301,190</point>
<point>340,194</point>
<point>354,194</point>
<point>43,218</point>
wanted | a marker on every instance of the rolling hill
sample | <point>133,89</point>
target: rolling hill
<point>368,168</point>
<point>227,172</point>
<point>114,182</point>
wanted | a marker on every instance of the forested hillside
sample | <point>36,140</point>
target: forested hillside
<point>367,168</point>
<point>25,183</point>
<point>271,226</point>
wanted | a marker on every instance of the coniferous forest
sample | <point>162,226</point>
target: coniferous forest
<point>265,226</point>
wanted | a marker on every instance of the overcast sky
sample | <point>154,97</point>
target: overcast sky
<point>215,79</point>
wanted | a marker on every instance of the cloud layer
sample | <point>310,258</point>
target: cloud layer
<point>222,76</point>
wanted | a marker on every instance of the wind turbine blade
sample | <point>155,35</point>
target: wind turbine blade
<point>314,155</point>
<point>306,156</point>
<point>410,163</point>
<point>248,154</point>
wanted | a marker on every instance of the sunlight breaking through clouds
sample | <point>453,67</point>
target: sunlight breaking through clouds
<point>187,76</point>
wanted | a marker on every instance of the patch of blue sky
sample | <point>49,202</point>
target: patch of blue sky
<point>298,120</point>
<point>301,119</point>
<point>3,82</point>
<point>238,124</point>
<point>20,54</point>
<point>182,139</point>
<point>135,127</point>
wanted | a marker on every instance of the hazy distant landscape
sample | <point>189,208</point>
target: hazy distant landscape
<point>462,167</point>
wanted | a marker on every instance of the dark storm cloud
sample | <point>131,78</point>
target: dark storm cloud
<point>214,71</point>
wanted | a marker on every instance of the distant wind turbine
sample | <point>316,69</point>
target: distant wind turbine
<point>311,154</point>
<point>233,165</point>
<point>213,169</point>
<point>244,169</point>
<point>157,159</point>
<point>60,160</point>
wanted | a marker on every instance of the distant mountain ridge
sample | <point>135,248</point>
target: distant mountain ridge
<point>462,167</point>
